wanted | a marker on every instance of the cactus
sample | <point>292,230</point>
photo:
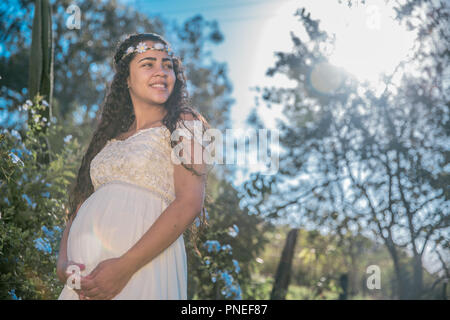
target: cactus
<point>40,79</point>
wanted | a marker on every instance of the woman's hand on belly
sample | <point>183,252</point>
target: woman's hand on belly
<point>107,279</point>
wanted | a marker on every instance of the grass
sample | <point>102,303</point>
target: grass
<point>263,287</point>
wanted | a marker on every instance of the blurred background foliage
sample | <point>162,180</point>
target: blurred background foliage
<point>390,149</point>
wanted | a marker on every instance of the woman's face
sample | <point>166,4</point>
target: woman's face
<point>147,69</point>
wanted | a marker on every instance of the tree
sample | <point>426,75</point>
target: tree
<point>32,209</point>
<point>283,275</point>
<point>376,162</point>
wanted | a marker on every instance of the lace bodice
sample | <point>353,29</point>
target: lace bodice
<point>143,159</point>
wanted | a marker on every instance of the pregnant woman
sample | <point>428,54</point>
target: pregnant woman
<point>134,196</point>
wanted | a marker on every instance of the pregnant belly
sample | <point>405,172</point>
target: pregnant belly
<point>110,222</point>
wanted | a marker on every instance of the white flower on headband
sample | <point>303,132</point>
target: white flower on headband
<point>130,50</point>
<point>158,46</point>
<point>141,47</point>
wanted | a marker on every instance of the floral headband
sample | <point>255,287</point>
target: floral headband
<point>142,47</point>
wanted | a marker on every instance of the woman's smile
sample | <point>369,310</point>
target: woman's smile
<point>159,87</point>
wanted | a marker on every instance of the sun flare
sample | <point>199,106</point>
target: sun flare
<point>369,42</point>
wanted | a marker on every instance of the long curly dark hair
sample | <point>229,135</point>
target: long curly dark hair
<point>118,115</point>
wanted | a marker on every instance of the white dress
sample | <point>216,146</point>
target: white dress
<point>133,183</point>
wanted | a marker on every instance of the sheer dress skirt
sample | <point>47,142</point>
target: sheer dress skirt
<point>110,222</point>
